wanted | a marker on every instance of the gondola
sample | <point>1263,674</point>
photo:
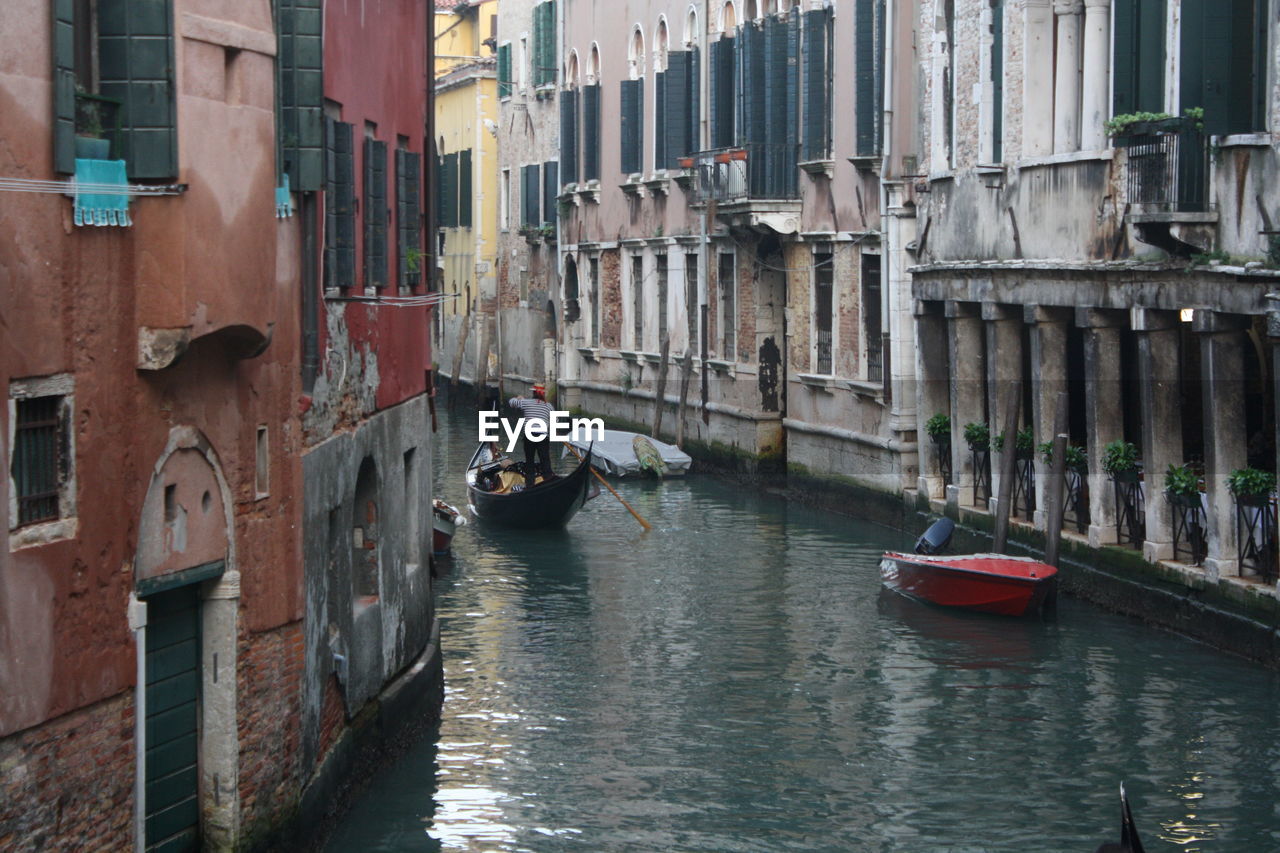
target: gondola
<point>495,489</point>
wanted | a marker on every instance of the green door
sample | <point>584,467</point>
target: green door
<point>173,692</point>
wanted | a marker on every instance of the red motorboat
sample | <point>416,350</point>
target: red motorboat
<point>993,583</point>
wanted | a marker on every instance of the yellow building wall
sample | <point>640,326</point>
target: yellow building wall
<point>466,118</point>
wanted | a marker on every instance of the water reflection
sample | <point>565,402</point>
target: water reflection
<point>737,680</point>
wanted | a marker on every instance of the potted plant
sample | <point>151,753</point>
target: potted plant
<point>90,142</point>
<point>977,436</point>
<point>1120,461</point>
<point>1182,486</point>
<point>1250,486</point>
<point>1023,443</point>
<point>939,428</point>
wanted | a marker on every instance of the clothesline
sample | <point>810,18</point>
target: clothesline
<point>71,187</point>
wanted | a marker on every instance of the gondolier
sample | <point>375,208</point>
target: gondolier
<point>535,408</point>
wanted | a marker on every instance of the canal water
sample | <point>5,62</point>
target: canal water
<point>737,680</point>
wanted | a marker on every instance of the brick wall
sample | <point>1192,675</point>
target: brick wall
<point>68,784</point>
<point>746,303</point>
<point>611,299</point>
<point>270,718</point>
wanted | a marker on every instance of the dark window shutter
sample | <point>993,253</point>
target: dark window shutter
<point>504,71</point>
<point>865,62</point>
<point>817,108</point>
<point>339,207</point>
<point>135,65</point>
<point>693,118</point>
<point>632,126</point>
<point>530,190</point>
<point>660,120</point>
<point>449,191</point>
<point>64,87</point>
<point>464,188</point>
<point>591,133</point>
<point>550,189</point>
<point>549,60</point>
<point>723,92</point>
<point>301,91</point>
<point>375,213</point>
<point>408,216</point>
<point>1217,65</point>
<point>569,136</point>
<point>997,80</point>
<point>676,118</point>
<point>1124,22</point>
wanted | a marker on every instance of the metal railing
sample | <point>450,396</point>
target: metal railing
<point>1168,165</point>
<point>748,172</point>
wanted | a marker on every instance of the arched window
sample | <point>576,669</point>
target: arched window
<point>728,17</point>
<point>660,47</point>
<point>750,11</point>
<point>635,53</point>
<point>691,27</point>
<point>571,71</point>
<point>593,65</point>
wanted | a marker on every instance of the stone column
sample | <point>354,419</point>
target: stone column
<point>933,394</point>
<point>1037,79</point>
<point>965,347</point>
<point>1104,417</point>
<point>1066,81</point>
<point>1225,443</point>
<point>1048,378</point>
<point>1096,92</point>
<point>1004,367</point>
<point>1159,389</point>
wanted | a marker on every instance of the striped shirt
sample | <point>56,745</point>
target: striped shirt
<point>538,410</point>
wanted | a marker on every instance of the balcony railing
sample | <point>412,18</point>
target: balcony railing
<point>1168,165</point>
<point>748,173</point>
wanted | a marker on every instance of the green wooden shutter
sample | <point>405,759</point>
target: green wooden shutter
<point>64,87</point>
<point>591,133</point>
<point>723,92</point>
<point>375,212</point>
<point>301,94</point>
<point>449,191</point>
<point>504,71</point>
<point>408,216</point>
<point>675,121</point>
<point>864,75</point>
<point>530,190</point>
<point>549,60</point>
<point>464,188</point>
<point>1218,65</point>
<point>339,206</point>
<point>135,65</point>
<point>817,111</point>
<point>660,120</point>
<point>997,80</point>
<point>632,125</point>
<point>569,136</point>
<point>693,140</point>
<point>539,42</point>
<point>550,189</point>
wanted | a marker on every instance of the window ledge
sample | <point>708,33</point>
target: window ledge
<point>628,355</point>
<point>685,178</point>
<point>867,162</point>
<point>590,353</point>
<point>819,167</point>
<point>657,184</point>
<point>728,368</point>
<point>589,192</point>
<point>44,533</point>
<point>1244,140</point>
<point>818,381</point>
<point>569,194</point>
<point>874,390</point>
<point>651,357</point>
<point>545,92</point>
<point>1069,157</point>
<point>632,186</point>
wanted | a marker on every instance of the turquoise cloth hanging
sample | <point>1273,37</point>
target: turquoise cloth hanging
<point>102,208</point>
<point>284,203</point>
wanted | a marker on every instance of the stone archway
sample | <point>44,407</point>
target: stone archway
<point>184,615</point>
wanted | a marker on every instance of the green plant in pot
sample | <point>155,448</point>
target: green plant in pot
<point>977,436</point>
<point>939,428</point>
<point>1076,460</point>
<point>1250,486</point>
<point>1120,461</point>
<point>1182,485</point>
<point>1024,442</point>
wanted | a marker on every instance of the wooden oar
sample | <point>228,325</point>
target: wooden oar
<point>646,525</point>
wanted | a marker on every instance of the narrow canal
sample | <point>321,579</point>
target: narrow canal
<point>737,680</point>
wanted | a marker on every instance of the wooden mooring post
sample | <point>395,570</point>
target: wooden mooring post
<point>1008,464</point>
<point>1054,489</point>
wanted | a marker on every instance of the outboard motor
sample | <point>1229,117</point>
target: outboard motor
<point>937,537</point>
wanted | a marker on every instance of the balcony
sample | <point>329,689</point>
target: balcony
<point>1167,185</point>
<point>756,183</point>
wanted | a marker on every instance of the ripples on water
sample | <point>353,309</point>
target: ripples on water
<point>736,680</point>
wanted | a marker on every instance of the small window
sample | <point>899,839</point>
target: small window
<point>41,468</point>
<point>637,301</point>
<point>728,281</point>
<point>823,305</point>
<point>262,469</point>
